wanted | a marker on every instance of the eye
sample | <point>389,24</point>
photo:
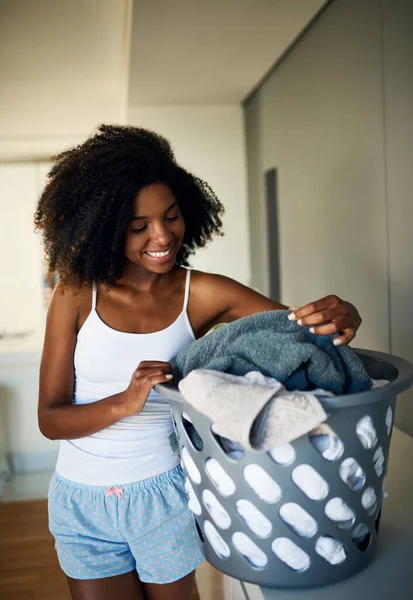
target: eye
<point>140,229</point>
<point>170,219</point>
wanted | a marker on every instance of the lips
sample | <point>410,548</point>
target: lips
<point>158,254</point>
<point>161,256</point>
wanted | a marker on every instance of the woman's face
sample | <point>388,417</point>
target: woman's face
<point>156,231</point>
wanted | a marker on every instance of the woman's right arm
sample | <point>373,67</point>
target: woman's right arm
<point>58,417</point>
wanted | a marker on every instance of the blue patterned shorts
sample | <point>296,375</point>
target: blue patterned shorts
<point>144,526</point>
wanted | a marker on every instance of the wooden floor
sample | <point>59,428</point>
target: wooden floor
<point>28,565</point>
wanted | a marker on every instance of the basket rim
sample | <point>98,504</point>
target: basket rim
<point>401,383</point>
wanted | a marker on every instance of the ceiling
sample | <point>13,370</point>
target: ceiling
<point>63,65</point>
<point>66,65</point>
<point>197,52</point>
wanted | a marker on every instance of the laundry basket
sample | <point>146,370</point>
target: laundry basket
<point>257,516</point>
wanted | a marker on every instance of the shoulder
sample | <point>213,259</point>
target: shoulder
<point>228,299</point>
<point>217,290</point>
<point>70,302</point>
<point>212,283</point>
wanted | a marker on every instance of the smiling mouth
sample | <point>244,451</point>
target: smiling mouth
<point>159,254</point>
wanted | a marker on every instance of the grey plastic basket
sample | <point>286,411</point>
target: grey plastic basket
<point>357,538</point>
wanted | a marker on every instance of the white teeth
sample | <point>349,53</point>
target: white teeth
<point>159,254</point>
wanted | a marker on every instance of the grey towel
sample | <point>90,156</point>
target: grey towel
<point>268,342</point>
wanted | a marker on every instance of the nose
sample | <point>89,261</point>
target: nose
<point>161,236</point>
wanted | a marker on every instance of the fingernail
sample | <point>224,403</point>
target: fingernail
<point>299,322</point>
<point>312,330</point>
<point>337,342</point>
<point>293,308</point>
<point>292,317</point>
<point>168,376</point>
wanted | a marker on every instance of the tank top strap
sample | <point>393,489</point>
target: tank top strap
<point>187,283</point>
<point>94,297</point>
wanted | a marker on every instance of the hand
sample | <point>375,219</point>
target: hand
<point>327,316</point>
<point>148,374</point>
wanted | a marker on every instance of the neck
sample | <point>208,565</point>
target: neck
<point>140,279</point>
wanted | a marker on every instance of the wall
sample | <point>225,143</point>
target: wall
<point>27,449</point>
<point>21,302</point>
<point>398,88</point>
<point>318,120</point>
<point>209,140</point>
<point>22,316</point>
<point>336,118</point>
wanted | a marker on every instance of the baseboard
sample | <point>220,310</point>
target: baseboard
<point>4,472</point>
<point>32,462</point>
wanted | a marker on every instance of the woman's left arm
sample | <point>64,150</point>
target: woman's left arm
<point>232,300</point>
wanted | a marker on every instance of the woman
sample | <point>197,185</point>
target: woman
<point>120,219</point>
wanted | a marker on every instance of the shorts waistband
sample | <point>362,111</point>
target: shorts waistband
<point>145,484</point>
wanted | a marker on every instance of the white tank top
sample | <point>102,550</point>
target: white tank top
<point>137,447</point>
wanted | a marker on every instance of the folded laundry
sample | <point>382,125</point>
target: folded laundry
<point>253,411</point>
<point>327,442</point>
<point>331,549</point>
<point>282,455</point>
<point>249,550</point>
<point>251,396</point>
<point>290,554</point>
<point>216,541</point>
<point>233,449</point>
<point>338,511</point>
<point>298,519</point>
<point>216,510</point>
<point>292,514</point>
<point>271,344</point>
<point>366,432</point>
<point>193,502</point>
<point>352,474</point>
<point>253,518</point>
<point>223,482</point>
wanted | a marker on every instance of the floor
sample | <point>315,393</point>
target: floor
<point>27,579</point>
<point>29,569</point>
<point>28,563</point>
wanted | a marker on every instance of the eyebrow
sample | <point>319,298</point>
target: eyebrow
<point>167,210</point>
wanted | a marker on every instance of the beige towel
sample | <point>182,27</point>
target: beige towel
<point>254,410</point>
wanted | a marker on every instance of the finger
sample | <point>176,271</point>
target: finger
<point>146,364</point>
<point>142,373</point>
<point>314,307</point>
<point>346,338</point>
<point>324,316</point>
<point>155,379</point>
<point>337,326</point>
<point>157,368</point>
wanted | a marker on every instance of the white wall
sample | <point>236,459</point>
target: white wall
<point>28,450</point>
<point>22,311</point>
<point>21,256</point>
<point>398,80</point>
<point>336,118</point>
<point>209,141</point>
<point>318,119</point>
